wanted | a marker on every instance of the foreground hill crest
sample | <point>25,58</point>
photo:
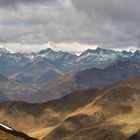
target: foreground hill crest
<point>94,114</point>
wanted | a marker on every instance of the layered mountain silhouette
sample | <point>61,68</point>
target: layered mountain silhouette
<point>86,79</point>
<point>110,113</point>
<point>41,72</point>
<point>42,67</point>
<point>45,72</point>
<point>93,96</point>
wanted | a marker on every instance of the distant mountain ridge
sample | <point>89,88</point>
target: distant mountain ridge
<point>69,62</point>
<point>11,89</point>
<point>88,79</point>
<point>61,73</point>
<point>26,67</point>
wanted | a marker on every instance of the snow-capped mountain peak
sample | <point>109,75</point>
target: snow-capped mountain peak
<point>45,51</point>
<point>68,62</point>
<point>5,50</point>
<point>98,50</point>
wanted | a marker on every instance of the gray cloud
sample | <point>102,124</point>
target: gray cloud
<point>115,22</point>
<point>12,3</point>
<point>110,23</point>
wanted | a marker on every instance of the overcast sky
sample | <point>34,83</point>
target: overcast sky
<point>28,25</point>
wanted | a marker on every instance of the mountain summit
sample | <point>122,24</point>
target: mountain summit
<point>98,58</point>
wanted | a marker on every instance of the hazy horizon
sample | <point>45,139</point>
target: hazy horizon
<point>75,48</point>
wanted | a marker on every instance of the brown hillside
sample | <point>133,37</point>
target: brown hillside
<point>86,79</point>
<point>111,113</point>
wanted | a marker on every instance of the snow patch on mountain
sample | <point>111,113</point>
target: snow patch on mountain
<point>67,62</point>
<point>5,50</point>
<point>6,127</point>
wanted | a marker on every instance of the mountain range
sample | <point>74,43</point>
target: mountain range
<point>110,113</point>
<point>47,75</point>
<point>87,79</point>
<point>13,89</point>
<point>93,96</point>
<point>42,67</point>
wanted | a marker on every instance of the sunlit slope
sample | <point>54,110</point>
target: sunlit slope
<point>108,113</point>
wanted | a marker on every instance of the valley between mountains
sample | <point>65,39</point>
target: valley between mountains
<point>61,96</point>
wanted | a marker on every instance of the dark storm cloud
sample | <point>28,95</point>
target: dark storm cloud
<point>55,20</point>
<point>109,23</point>
<point>116,22</point>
